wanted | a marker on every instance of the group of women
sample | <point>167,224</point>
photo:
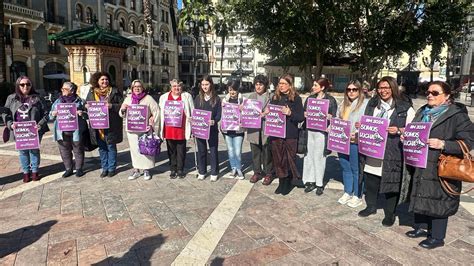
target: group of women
<point>272,157</point>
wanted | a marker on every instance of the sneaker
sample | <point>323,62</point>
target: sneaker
<point>213,178</point>
<point>146,175</point>
<point>201,177</point>
<point>111,173</point>
<point>79,173</point>
<point>104,173</point>
<point>67,174</point>
<point>134,175</point>
<point>181,174</point>
<point>233,172</point>
<point>354,202</point>
<point>344,199</point>
<point>319,191</point>
<point>173,174</point>
<point>240,175</point>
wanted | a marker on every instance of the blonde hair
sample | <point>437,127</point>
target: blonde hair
<point>346,104</point>
<point>292,94</point>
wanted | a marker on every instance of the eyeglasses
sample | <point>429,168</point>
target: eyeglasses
<point>383,88</point>
<point>283,83</point>
<point>25,84</point>
<point>352,89</point>
<point>434,93</point>
<point>64,89</point>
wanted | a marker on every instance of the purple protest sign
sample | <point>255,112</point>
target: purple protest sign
<point>26,135</point>
<point>137,118</point>
<point>98,114</point>
<point>250,116</point>
<point>67,116</point>
<point>339,137</point>
<point>174,113</point>
<point>230,119</point>
<point>415,146</point>
<point>200,125</point>
<point>373,136</point>
<point>275,122</point>
<point>316,114</point>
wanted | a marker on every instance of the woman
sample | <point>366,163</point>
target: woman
<point>259,144</point>
<point>139,161</point>
<point>284,149</point>
<point>70,141</point>
<point>352,108</point>
<point>107,139</point>
<point>208,100</point>
<point>234,138</point>
<point>384,176</point>
<point>314,163</point>
<point>26,105</point>
<point>429,202</point>
<point>176,136</point>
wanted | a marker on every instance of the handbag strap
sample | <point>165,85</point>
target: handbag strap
<point>448,189</point>
<point>464,149</point>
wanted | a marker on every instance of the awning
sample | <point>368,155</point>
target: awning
<point>61,76</point>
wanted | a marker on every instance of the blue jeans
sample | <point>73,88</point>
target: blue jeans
<point>350,171</point>
<point>234,150</point>
<point>108,155</point>
<point>29,160</point>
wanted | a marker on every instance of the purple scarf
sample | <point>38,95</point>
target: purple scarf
<point>136,98</point>
<point>68,99</point>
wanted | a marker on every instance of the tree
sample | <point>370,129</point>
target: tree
<point>148,14</point>
<point>3,63</point>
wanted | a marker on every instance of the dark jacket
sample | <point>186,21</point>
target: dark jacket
<point>427,195</point>
<point>392,167</point>
<point>114,134</point>
<point>37,112</point>
<point>216,110</point>
<point>296,117</point>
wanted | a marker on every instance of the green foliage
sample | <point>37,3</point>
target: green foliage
<point>197,10</point>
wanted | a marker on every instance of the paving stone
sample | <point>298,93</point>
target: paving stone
<point>231,247</point>
<point>260,255</point>
<point>311,256</point>
<point>71,201</point>
<point>92,205</point>
<point>138,212</point>
<point>8,259</point>
<point>232,232</point>
<point>31,196</point>
<point>128,258</point>
<point>115,208</point>
<point>51,199</point>
<point>92,255</point>
<point>162,249</point>
<point>164,217</point>
<point>63,253</point>
<point>190,220</point>
<point>33,253</point>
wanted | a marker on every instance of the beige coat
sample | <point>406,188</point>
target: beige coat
<point>253,133</point>
<point>188,109</point>
<point>140,161</point>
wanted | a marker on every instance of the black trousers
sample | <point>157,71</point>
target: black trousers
<point>372,186</point>
<point>177,154</point>
<point>436,226</point>
<point>67,147</point>
<point>202,153</point>
<point>262,155</point>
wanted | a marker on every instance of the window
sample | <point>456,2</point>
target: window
<point>132,27</point>
<point>79,14</point>
<point>89,15</point>
<point>122,2</point>
<point>132,4</point>
<point>109,21</point>
<point>142,29</point>
<point>166,17</point>
<point>167,37</point>
<point>122,24</point>
<point>22,3</point>
<point>134,51</point>
<point>162,36</point>
<point>162,16</point>
<point>23,35</point>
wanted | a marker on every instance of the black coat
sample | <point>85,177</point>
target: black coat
<point>427,195</point>
<point>296,117</point>
<point>114,134</point>
<point>392,167</point>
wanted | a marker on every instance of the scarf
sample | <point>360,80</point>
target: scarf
<point>103,92</point>
<point>68,99</point>
<point>136,98</point>
<point>346,110</point>
<point>430,114</point>
<point>384,108</point>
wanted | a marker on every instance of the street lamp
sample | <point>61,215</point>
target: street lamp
<point>12,67</point>
<point>194,27</point>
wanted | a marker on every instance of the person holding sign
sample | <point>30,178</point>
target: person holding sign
<point>208,100</point>
<point>70,142</point>
<point>428,201</point>
<point>234,133</point>
<point>107,139</point>
<point>27,105</point>
<point>284,149</point>
<point>351,108</point>
<point>314,163</point>
<point>384,176</point>
<point>262,161</point>
<point>175,125</point>
<point>140,97</point>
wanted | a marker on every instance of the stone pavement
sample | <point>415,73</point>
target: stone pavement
<point>88,220</point>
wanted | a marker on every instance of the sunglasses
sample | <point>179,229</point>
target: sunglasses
<point>25,84</point>
<point>434,93</point>
<point>352,89</point>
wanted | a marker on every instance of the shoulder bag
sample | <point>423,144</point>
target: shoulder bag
<point>455,168</point>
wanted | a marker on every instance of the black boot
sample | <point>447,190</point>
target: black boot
<point>280,186</point>
<point>287,186</point>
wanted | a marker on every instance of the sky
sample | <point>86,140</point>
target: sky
<point>180,4</point>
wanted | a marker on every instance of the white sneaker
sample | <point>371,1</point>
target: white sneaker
<point>213,178</point>
<point>354,202</point>
<point>233,172</point>
<point>344,199</point>
<point>240,175</point>
<point>201,177</point>
<point>134,175</point>
<point>146,175</point>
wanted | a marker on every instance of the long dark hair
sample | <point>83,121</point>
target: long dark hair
<point>211,89</point>
<point>392,83</point>
<point>18,93</point>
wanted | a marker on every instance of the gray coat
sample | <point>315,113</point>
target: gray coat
<point>253,133</point>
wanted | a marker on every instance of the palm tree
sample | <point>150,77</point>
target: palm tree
<point>224,24</point>
<point>148,13</point>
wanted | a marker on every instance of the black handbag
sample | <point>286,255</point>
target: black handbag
<point>302,147</point>
<point>90,144</point>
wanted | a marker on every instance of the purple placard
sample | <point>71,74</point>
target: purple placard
<point>373,136</point>
<point>415,146</point>
<point>137,118</point>
<point>339,137</point>
<point>230,119</point>
<point>201,123</point>
<point>173,111</point>
<point>67,116</point>
<point>316,114</point>
<point>275,122</point>
<point>251,114</point>
<point>98,114</point>
<point>26,135</point>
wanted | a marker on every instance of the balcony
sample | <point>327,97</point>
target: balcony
<point>23,12</point>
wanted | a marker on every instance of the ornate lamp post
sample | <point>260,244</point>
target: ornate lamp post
<point>195,27</point>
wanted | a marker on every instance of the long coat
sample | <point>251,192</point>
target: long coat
<point>114,134</point>
<point>81,121</point>
<point>427,195</point>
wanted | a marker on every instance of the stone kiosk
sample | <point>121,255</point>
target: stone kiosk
<point>94,49</point>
